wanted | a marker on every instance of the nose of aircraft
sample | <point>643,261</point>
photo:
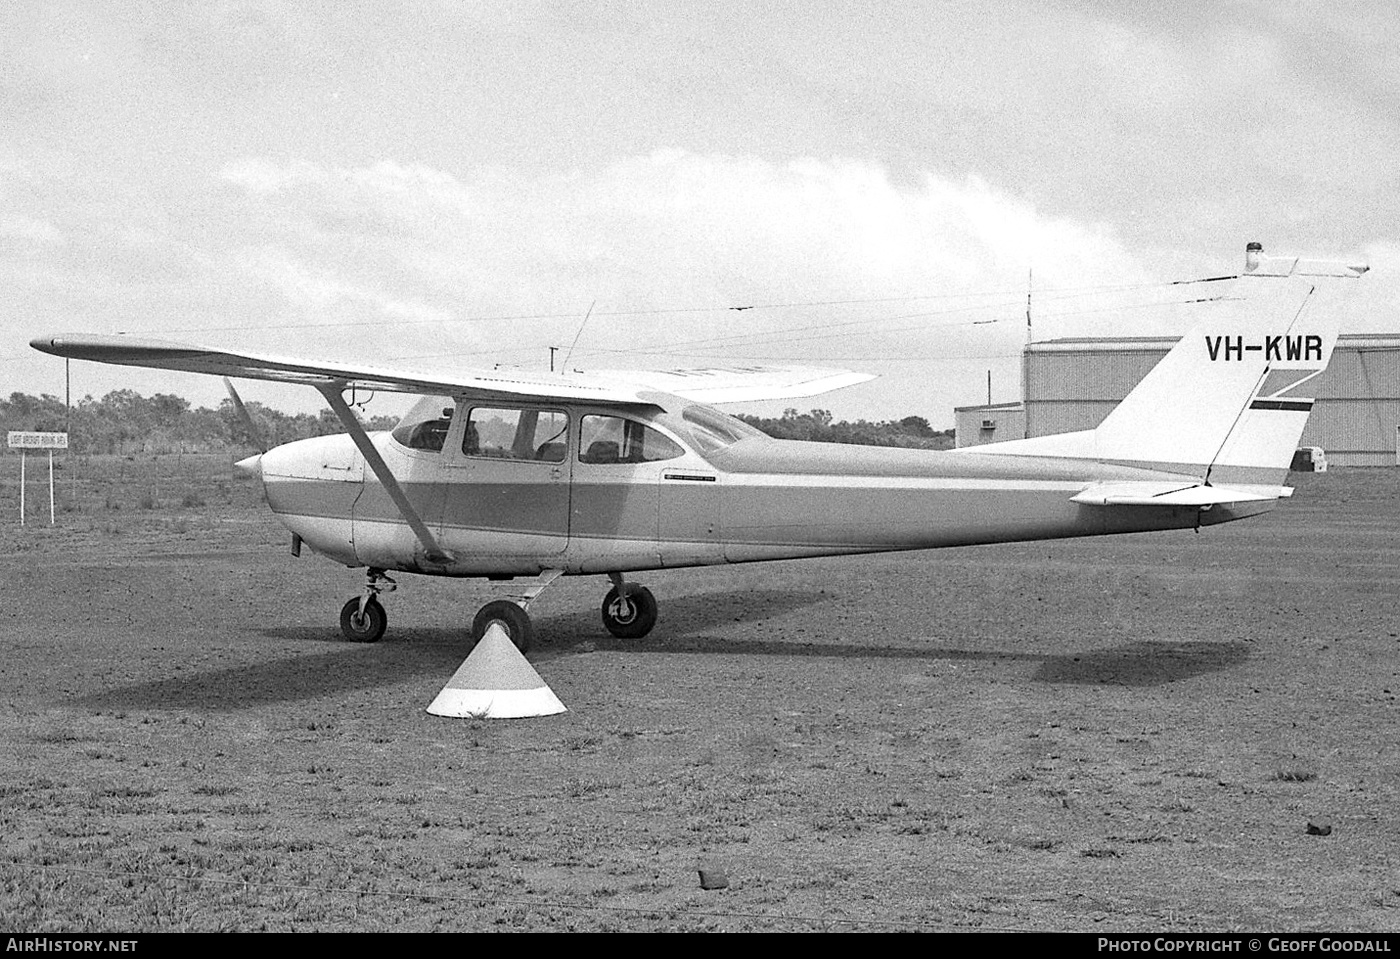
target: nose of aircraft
<point>252,466</point>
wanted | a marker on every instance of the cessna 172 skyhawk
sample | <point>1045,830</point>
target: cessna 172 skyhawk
<point>504,475</point>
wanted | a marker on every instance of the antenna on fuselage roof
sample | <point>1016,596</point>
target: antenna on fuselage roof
<point>565,364</point>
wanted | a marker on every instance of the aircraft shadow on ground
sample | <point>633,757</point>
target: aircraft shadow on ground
<point>1133,664</point>
<point>690,624</point>
<point>405,654</point>
<point>703,618</point>
<point>285,679</point>
<point>1142,664</point>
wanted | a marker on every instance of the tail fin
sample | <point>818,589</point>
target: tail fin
<point>1224,404</point>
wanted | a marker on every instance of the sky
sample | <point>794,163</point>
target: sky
<point>875,187</point>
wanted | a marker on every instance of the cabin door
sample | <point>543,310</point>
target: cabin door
<point>507,481</point>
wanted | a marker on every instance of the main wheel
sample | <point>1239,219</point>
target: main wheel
<point>631,616</point>
<point>512,618</point>
<point>366,627</point>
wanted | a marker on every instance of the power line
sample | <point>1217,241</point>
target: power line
<point>382,322</point>
<point>781,334</point>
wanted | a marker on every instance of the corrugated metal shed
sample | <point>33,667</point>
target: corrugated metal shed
<point>1072,384</point>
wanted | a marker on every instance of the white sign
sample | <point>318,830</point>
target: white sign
<point>38,441</point>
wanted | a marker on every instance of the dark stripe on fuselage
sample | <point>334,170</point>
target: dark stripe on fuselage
<point>1296,406</point>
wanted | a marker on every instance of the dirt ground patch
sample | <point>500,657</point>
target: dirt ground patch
<point>1119,734</point>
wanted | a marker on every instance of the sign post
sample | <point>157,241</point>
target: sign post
<point>24,442</point>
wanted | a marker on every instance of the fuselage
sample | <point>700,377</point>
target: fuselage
<point>513,488</point>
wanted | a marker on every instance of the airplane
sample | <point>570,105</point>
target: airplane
<point>506,475</point>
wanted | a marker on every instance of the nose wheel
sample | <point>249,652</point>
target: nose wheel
<point>629,610</point>
<point>509,616</point>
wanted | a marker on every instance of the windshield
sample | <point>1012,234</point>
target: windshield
<point>425,426</point>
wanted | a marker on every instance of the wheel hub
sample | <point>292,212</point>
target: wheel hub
<point>623,610</point>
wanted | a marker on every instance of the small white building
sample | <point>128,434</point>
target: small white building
<point>976,425</point>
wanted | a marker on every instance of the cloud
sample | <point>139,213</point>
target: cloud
<point>919,277</point>
<point>29,229</point>
<point>460,162</point>
<point>675,229</point>
<point>840,263</point>
<point>390,187</point>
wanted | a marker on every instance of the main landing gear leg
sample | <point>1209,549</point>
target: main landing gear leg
<point>363,619</point>
<point>512,614</point>
<point>629,610</point>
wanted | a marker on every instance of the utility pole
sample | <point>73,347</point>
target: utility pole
<point>67,428</point>
<point>1030,285</point>
<point>1026,353</point>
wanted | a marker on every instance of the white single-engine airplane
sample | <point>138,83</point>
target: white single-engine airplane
<point>503,475</point>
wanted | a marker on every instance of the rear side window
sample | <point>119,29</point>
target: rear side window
<point>712,430</point>
<point>498,432</point>
<point>612,439</point>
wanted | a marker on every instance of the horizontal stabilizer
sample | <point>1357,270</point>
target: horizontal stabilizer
<point>1195,496</point>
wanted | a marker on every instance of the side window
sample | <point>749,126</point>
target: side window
<point>516,434</point>
<point>612,439</point>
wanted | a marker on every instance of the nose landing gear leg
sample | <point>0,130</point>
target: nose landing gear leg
<point>513,613</point>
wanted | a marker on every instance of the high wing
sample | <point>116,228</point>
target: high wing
<point>736,384</point>
<point>710,385</point>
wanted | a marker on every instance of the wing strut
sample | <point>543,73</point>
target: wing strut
<point>376,462</point>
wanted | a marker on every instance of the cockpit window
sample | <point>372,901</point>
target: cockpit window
<point>712,430</point>
<point>516,434</point>
<point>425,426</point>
<point>612,439</point>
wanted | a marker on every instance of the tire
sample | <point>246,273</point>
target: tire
<point>515,620</point>
<point>366,628</point>
<point>633,619</point>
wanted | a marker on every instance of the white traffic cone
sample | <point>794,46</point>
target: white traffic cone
<point>495,682</point>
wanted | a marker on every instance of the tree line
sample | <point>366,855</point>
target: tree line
<point>820,426</point>
<point>125,422</point>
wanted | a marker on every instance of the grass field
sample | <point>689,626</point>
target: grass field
<point>1120,734</point>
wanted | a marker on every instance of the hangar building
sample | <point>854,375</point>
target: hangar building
<point>1072,384</point>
